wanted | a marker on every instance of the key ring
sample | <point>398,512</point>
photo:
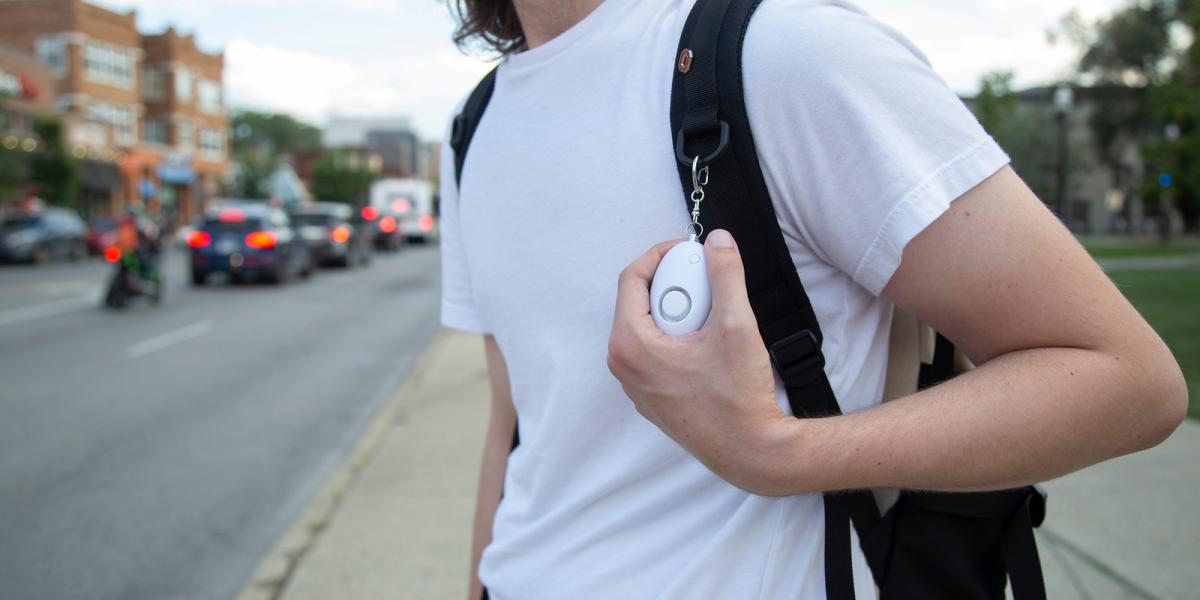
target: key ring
<point>694,231</point>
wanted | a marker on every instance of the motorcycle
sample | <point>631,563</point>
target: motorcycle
<point>134,276</point>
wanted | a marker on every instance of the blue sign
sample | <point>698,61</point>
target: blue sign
<point>148,189</point>
<point>1165,180</point>
<point>176,168</point>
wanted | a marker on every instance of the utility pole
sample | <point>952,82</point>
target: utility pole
<point>1064,98</point>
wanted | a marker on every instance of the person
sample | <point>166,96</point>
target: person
<point>138,235</point>
<point>652,467</point>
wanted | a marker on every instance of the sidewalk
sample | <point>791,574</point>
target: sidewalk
<point>395,522</point>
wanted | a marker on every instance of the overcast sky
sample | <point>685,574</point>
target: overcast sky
<point>313,58</point>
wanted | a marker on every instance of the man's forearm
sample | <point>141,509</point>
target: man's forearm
<point>497,445</point>
<point>491,486</point>
<point>1023,417</point>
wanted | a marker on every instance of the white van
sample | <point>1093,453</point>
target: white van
<point>410,201</point>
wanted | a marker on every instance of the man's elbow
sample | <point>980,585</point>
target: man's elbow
<point>1164,401</point>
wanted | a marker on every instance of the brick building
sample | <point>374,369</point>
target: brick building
<point>145,115</point>
<point>94,54</point>
<point>28,87</point>
<point>184,128</point>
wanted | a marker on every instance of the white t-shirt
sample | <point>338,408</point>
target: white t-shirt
<point>571,176</point>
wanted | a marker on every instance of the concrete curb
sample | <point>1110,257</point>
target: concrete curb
<point>277,567</point>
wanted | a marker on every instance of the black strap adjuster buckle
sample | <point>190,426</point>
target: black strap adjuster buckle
<point>798,358</point>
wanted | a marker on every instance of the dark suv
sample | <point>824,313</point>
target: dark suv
<point>334,234</point>
<point>248,239</point>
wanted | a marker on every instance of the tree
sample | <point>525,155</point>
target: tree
<point>55,172</point>
<point>272,134</point>
<point>1026,131</point>
<point>1176,105</point>
<point>14,164</point>
<point>996,102</point>
<point>335,180</point>
<point>1143,62</point>
<point>259,143</point>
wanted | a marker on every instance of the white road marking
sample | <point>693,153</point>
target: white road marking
<point>47,309</point>
<point>170,338</point>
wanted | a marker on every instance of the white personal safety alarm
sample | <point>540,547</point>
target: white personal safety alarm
<point>680,297</point>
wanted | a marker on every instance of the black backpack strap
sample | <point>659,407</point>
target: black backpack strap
<point>709,120</point>
<point>467,121</point>
<point>461,133</point>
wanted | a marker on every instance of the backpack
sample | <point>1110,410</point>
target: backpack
<point>928,545</point>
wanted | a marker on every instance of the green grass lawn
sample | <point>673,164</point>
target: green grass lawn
<point>1139,250</point>
<point>1170,300</point>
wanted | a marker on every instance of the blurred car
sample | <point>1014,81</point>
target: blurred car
<point>335,236</point>
<point>386,227</point>
<point>412,202</point>
<point>42,236</point>
<point>248,239</point>
<point>101,234</point>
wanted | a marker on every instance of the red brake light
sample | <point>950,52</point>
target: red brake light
<point>426,223</point>
<point>199,239</point>
<point>387,224</point>
<point>401,205</point>
<point>370,213</point>
<point>262,240</point>
<point>112,254</point>
<point>231,215</point>
<point>340,234</point>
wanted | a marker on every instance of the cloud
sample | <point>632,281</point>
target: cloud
<point>425,86</point>
<point>394,57</point>
<point>963,40</point>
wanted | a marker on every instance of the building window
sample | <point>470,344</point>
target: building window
<point>183,84</point>
<point>184,132</point>
<point>153,83</point>
<point>208,95</point>
<point>104,63</point>
<point>122,119</point>
<point>154,131</point>
<point>212,142</point>
<point>52,50</point>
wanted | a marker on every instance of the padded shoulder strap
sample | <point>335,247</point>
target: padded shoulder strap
<point>467,121</point>
<point>709,121</point>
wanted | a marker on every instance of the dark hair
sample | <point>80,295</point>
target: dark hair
<point>493,23</point>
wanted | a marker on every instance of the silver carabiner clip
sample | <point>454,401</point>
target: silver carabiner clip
<point>699,176</point>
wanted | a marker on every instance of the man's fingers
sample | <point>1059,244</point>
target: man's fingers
<point>633,287</point>
<point>726,276</point>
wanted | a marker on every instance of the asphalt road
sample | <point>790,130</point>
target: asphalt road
<point>157,453</point>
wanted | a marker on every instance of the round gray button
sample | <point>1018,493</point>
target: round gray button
<point>675,305</point>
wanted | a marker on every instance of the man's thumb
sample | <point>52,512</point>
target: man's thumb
<point>726,274</point>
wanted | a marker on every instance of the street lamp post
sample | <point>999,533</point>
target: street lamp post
<point>1064,98</point>
<point>1170,219</point>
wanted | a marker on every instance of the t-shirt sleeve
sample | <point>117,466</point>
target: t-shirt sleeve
<point>458,298</point>
<point>862,144</point>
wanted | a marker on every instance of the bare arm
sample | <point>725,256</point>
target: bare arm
<point>495,457</point>
<point>1069,373</point>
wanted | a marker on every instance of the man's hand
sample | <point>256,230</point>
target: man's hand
<point>712,391</point>
<point>1068,373</point>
